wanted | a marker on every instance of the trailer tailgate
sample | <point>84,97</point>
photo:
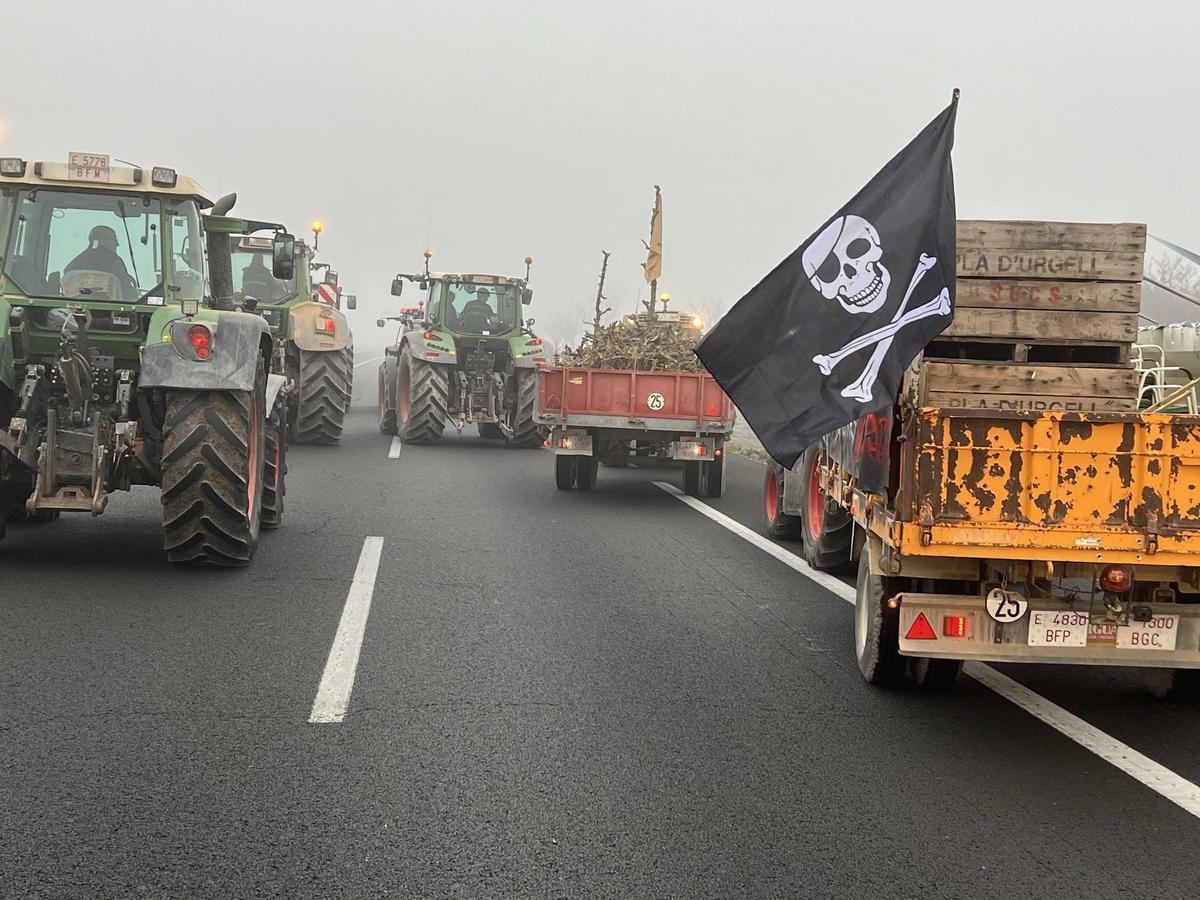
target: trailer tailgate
<point>630,398</point>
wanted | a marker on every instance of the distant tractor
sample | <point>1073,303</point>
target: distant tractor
<point>313,341</point>
<point>464,357</point>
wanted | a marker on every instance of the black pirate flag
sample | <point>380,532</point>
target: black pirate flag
<point>825,337</point>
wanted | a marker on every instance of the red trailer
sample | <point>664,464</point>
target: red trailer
<point>607,415</point>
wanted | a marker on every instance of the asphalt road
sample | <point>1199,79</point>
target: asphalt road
<point>558,695</point>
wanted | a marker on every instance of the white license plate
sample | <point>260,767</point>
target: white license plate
<point>1049,628</point>
<point>87,166</point>
<point>1157,634</point>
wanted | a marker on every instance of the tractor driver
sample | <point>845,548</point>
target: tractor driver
<point>101,256</point>
<point>478,310</point>
<point>257,281</point>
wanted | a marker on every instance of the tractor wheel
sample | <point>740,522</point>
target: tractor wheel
<point>565,471</point>
<point>212,474</point>
<point>490,431</point>
<point>779,524</point>
<point>827,527</point>
<point>275,447</point>
<point>586,470</point>
<point>325,385</point>
<point>387,403</point>
<point>877,627</point>
<point>422,398</point>
<point>714,478</point>
<point>525,431</point>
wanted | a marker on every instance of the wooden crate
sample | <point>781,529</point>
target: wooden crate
<point>1045,314</point>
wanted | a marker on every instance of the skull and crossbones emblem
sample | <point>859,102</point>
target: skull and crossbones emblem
<point>845,264</point>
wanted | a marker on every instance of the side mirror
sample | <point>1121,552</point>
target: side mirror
<point>379,323</point>
<point>283,256</point>
<point>526,296</point>
<point>331,278</point>
<point>529,323</point>
<point>424,285</point>
<point>397,287</point>
<point>352,301</point>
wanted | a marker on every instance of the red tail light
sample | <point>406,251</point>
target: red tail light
<point>330,326</point>
<point>429,336</point>
<point>201,340</point>
<point>954,626</point>
<point>537,342</point>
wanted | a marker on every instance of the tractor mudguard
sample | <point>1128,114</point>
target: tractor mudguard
<point>236,338</point>
<point>276,384</point>
<point>429,351</point>
<point>308,332</point>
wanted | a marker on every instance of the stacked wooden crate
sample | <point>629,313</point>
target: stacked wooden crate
<point>1045,315</point>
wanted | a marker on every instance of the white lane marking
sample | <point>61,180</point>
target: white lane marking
<point>394,452</point>
<point>333,694</point>
<point>367,362</point>
<point>1183,793</point>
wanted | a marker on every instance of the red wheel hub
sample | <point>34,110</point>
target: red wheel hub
<point>816,500</point>
<point>772,496</point>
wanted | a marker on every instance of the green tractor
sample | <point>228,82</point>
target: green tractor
<point>314,345</point>
<point>465,356</point>
<point>123,359</point>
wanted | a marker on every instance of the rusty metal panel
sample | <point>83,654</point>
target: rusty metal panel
<point>1071,471</point>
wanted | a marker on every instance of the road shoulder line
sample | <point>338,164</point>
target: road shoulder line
<point>1174,787</point>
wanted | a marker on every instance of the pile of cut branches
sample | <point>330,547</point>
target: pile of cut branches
<point>646,345</point>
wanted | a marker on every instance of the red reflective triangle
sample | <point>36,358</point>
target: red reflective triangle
<point>921,630</point>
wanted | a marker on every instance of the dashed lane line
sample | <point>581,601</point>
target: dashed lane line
<point>333,693</point>
<point>394,451</point>
<point>367,362</point>
<point>1174,787</point>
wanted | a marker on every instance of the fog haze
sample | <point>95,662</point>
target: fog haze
<point>490,131</point>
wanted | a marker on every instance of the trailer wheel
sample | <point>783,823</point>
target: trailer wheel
<point>714,478</point>
<point>827,527</point>
<point>387,403</point>
<point>1174,684</point>
<point>691,479</point>
<point>212,474</point>
<point>275,466</point>
<point>876,627</point>
<point>422,399</point>
<point>779,524</point>
<point>585,472</point>
<point>935,674</point>
<point>564,472</point>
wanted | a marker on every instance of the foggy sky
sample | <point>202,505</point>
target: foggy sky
<point>494,130</point>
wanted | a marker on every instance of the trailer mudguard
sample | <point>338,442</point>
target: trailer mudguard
<point>308,331</point>
<point>236,338</point>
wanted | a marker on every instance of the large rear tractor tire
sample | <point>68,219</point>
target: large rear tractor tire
<point>275,447</point>
<point>525,431</point>
<point>877,627</point>
<point>325,385</point>
<point>387,402</point>
<point>828,529</point>
<point>777,523</point>
<point>422,399</point>
<point>212,474</point>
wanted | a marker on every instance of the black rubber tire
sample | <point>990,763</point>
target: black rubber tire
<point>586,469</point>
<point>827,534</point>
<point>1174,684</point>
<point>324,388</point>
<point>691,479</point>
<point>387,402</point>
<point>212,474</point>
<point>935,674</point>
<point>876,627</point>
<point>275,447</point>
<point>565,470</point>
<point>714,478</point>
<point>777,523</point>
<point>490,431</point>
<point>421,416</point>
<point>525,431</point>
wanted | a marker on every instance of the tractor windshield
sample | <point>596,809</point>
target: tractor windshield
<point>90,246</point>
<point>252,273</point>
<point>480,308</point>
